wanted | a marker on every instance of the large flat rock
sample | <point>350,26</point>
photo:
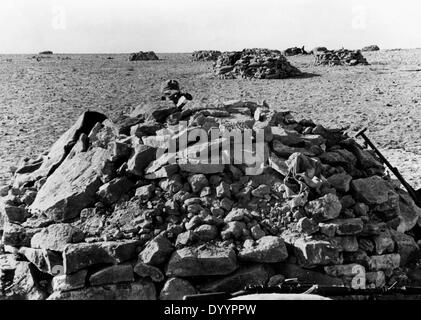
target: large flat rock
<point>83,255</point>
<point>60,148</point>
<point>72,187</point>
<point>202,261</point>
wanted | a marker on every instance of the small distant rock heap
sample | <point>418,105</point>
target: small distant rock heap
<point>105,216</point>
<point>46,53</point>
<point>206,55</point>
<point>371,48</point>
<point>143,56</point>
<point>295,51</point>
<point>340,57</point>
<point>254,63</point>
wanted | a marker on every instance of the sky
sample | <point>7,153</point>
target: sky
<point>122,26</point>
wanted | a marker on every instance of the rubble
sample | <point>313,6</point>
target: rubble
<point>254,63</point>
<point>339,57</point>
<point>294,51</point>
<point>143,56</point>
<point>108,216</point>
<point>206,55</point>
<point>371,48</point>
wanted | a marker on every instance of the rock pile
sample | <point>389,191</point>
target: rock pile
<point>371,48</point>
<point>340,57</point>
<point>108,214</point>
<point>206,55</point>
<point>46,53</point>
<point>295,51</point>
<point>143,56</point>
<point>254,63</point>
<point>318,50</point>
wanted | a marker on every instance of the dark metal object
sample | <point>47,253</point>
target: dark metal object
<point>415,194</point>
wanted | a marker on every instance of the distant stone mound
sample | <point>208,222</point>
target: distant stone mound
<point>295,51</point>
<point>206,55</point>
<point>143,56</point>
<point>371,48</point>
<point>340,57</point>
<point>318,50</point>
<point>254,63</point>
<point>46,52</point>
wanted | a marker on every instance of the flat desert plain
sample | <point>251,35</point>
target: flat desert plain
<point>39,100</point>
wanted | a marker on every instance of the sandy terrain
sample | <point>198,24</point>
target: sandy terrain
<point>40,100</point>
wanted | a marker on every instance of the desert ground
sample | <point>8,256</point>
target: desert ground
<point>39,100</point>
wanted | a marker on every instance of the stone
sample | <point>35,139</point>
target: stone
<point>202,261</point>
<point>373,190</point>
<point>384,262</point>
<point>22,284</point>
<point>406,246</point>
<point>82,255</point>
<point>237,214</point>
<point>140,290</point>
<point>112,275</point>
<point>226,204</point>
<point>141,159</point>
<point>176,289</point>
<point>17,236</point>
<point>261,191</point>
<point>278,164</point>
<point>223,190</point>
<point>206,232</point>
<point>185,238</point>
<point>70,282</point>
<point>73,186</point>
<point>409,212</point>
<point>384,243</point>
<point>145,193</point>
<point>173,185</point>
<point>12,213</point>
<point>112,191</point>
<point>255,275</point>
<point>366,245</point>
<point>145,129</point>
<point>197,182</point>
<point>257,232</point>
<point>348,226</point>
<point>340,181</point>
<point>146,271</point>
<point>358,257</point>
<point>46,261</point>
<point>307,226</point>
<point>315,252</point>
<point>328,229</point>
<point>268,249</point>
<point>143,56</point>
<point>361,209</point>
<point>56,237</point>
<point>233,230</point>
<point>156,251</point>
<point>345,243</point>
<point>325,208</point>
<point>344,270</point>
<point>164,172</point>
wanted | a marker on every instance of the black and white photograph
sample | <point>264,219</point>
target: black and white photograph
<point>210,154</point>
